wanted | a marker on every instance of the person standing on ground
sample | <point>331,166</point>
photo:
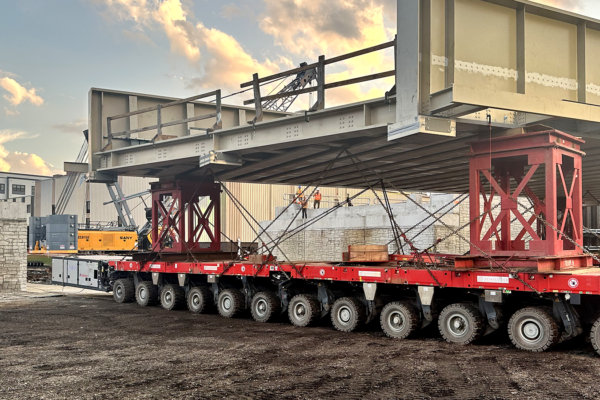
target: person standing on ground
<point>317,199</point>
<point>348,201</point>
<point>304,204</point>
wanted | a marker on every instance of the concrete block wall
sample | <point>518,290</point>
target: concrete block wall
<point>13,247</point>
<point>328,238</point>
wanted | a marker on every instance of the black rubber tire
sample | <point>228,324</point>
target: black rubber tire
<point>124,291</point>
<point>534,329</point>
<point>265,306</point>
<point>199,300</point>
<point>348,314</point>
<point>304,310</point>
<point>595,336</point>
<point>231,303</point>
<point>146,294</point>
<point>461,323</point>
<point>172,297</point>
<point>399,319</point>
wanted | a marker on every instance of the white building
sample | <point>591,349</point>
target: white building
<point>19,188</point>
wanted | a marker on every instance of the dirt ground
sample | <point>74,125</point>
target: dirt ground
<point>88,347</point>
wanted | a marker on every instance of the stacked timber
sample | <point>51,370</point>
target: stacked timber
<point>261,258</point>
<point>367,254</point>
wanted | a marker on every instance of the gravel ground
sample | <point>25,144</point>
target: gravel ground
<point>88,347</point>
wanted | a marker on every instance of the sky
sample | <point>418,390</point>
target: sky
<point>54,51</point>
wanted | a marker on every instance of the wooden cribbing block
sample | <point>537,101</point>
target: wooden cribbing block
<point>366,256</point>
<point>365,248</point>
<point>260,258</point>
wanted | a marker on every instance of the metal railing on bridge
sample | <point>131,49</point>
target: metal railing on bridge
<point>160,124</point>
<point>319,66</point>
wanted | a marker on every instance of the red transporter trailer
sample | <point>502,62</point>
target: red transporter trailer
<point>526,271</point>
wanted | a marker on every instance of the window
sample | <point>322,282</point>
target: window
<point>22,199</point>
<point>18,189</point>
<point>33,190</point>
<point>28,208</point>
<point>2,188</point>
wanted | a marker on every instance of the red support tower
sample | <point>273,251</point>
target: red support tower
<point>186,217</point>
<point>529,174</point>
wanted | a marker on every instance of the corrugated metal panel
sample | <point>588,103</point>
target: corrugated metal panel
<point>76,204</point>
<point>43,198</point>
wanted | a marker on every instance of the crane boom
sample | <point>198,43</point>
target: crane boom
<point>302,79</point>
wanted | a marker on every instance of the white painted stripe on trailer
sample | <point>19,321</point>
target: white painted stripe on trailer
<point>493,279</point>
<point>373,274</point>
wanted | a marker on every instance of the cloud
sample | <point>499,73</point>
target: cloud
<point>231,11</point>
<point>77,126</point>
<point>330,27</point>
<point>123,10</point>
<point>11,113</point>
<point>229,64</point>
<point>226,63</point>
<point>9,74</point>
<point>335,27</point>
<point>138,37</point>
<point>324,26</point>
<point>21,162</point>
<point>180,32</point>
<point>19,94</point>
<point>170,15</point>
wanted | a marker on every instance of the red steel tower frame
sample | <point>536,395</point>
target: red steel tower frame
<point>179,222</point>
<point>542,167</point>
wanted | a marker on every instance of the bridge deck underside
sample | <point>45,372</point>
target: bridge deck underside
<point>430,163</point>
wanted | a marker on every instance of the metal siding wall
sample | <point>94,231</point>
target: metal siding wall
<point>44,198</point>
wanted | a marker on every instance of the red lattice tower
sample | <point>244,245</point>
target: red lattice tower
<point>540,171</point>
<point>179,223</point>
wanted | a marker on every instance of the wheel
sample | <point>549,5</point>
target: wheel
<point>399,319</point>
<point>123,290</point>
<point>172,297</point>
<point>199,300</point>
<point>304,309</point>
<point>533,329</point>
<point>146,294</point>
<point>595,336</point>
<point>265,306</point>
<point>231,303</point>
<point>460,323</point>
<point>348,314</point>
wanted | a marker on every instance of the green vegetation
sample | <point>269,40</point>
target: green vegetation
<point>39,258</point>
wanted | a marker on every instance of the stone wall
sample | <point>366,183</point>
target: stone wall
<point>13,247</point>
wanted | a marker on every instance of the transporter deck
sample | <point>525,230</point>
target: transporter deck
<point>529,274</point>
<point>577,281</point>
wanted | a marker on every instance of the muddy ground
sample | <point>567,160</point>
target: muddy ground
<point>88,347</point>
